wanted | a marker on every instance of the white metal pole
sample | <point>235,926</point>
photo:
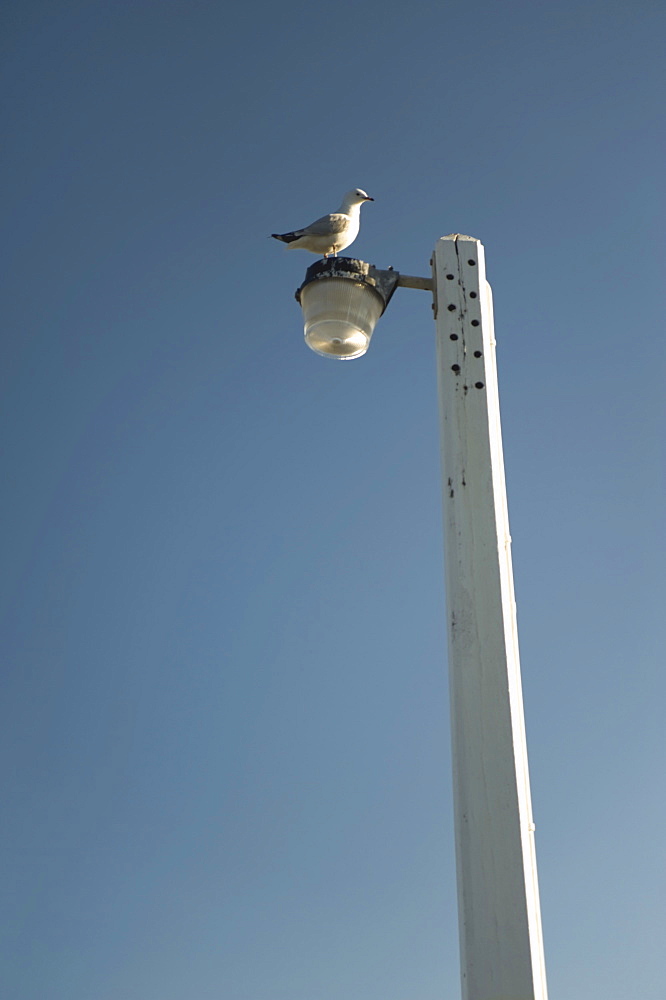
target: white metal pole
<point>498,898</point>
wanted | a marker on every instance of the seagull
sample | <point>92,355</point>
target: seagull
<point>331,233</point>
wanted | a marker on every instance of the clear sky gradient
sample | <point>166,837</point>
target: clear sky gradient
<point>224,723</point>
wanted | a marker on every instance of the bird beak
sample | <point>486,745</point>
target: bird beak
<point>368,199</point>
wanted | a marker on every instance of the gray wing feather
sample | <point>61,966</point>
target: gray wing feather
<point>328,225</point>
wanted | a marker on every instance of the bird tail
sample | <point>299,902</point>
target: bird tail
<point>285,237</point>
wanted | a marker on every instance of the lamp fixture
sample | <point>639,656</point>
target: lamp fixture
<point>342,298</point>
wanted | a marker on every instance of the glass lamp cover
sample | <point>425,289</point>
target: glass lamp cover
<point>340,315</point>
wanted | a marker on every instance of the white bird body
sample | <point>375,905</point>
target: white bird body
<point>331,233</point>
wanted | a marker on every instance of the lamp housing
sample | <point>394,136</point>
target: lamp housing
<point>342,298</point>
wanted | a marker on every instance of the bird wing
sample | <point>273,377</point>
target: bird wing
<point>328,225</point>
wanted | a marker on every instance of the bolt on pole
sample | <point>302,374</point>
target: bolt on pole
<point>498,898</point>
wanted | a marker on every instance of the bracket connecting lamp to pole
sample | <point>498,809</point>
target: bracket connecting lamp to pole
<point>342,298</point>
<point>501,947</point>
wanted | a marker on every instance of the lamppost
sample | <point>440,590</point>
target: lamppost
<point>501,943</point>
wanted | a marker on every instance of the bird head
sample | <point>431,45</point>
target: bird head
<point>356,197</point>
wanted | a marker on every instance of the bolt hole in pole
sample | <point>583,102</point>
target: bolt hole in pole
<point>475,322</point>
<point>451,308</point>
<point>453,336</point>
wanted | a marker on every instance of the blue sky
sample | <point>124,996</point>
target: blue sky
<point>224,717</point>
